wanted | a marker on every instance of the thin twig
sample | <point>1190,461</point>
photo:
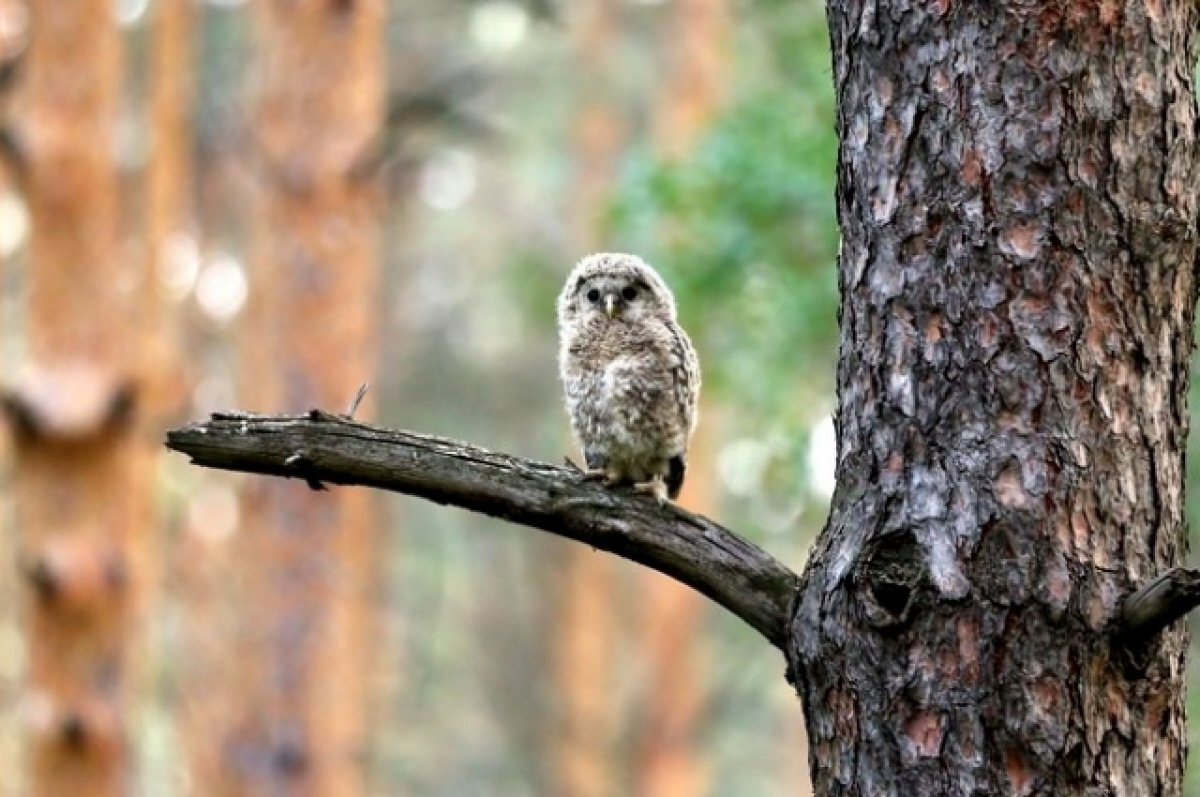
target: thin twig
<point>358,397</point>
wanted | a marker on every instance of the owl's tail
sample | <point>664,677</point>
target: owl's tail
<point>676,469</point>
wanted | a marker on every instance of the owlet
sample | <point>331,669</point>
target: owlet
<point>630,373</point>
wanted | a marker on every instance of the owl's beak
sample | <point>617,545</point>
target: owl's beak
<point>610,304</point>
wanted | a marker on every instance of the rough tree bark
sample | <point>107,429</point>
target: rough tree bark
<point>985,612</point>
<point>1017,190</point>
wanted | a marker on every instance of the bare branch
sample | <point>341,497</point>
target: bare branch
<point>324,448</point>
<point>1160,603</point>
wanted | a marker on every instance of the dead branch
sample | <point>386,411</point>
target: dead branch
<point>1158,604</point>
<point>323,448</point>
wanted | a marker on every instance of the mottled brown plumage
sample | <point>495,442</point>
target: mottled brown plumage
<point>630,373</point>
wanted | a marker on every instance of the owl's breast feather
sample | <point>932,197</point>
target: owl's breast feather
<point>615,376</point>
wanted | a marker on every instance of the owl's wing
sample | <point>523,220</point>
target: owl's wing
<point>686,378</point>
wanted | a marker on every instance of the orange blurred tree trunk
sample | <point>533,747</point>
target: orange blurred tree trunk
<point>308,562</point>
<point>167,218</point>
<point>71,407</point>
<point>13,42</point>
<point>668,763</point>
<point>189,565</point>
<point>169,212</point>
<point>586,640</point>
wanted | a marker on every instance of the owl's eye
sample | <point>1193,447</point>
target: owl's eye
<point>629,293</point>
<point>593,295</point>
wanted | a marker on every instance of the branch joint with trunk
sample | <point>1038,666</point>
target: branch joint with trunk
<point>1158,604</point>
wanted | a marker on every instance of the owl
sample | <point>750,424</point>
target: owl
<point>630,374</point>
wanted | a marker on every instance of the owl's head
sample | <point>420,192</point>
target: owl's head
<point>616,288</point>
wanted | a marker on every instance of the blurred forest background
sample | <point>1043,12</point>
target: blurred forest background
<point>263,203</point>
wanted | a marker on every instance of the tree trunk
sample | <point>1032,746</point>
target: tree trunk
<point>1018,195</point>
<point>168,205</point>
<point>669,762</point>
<point>181,567</point>
<point>74,465</point>
<point>13,42</point>
<point>585,726</point>
<point>309,560</point>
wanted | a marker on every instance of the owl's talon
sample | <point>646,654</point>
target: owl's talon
<point>608,477</point>
<point>655,487</point>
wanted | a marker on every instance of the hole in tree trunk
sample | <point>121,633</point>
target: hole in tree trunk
<point>891,569</point>
<point>892,598</point>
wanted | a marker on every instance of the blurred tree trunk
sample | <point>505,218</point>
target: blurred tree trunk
<point>169,212</point>
<point>166,218</point>
<point>586,640</point>
<point>75,470</point>
<point>13,42</point>
<point>308,565</point>
<point>670,614</point>
<point>190,565</point>
<point>1018,196</point>
<point>670,617</point>
<point>213,675</point>
<point>697,50</point>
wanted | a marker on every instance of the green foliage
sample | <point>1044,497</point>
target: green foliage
<point>1192,773</point>
<point>744,230</point>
